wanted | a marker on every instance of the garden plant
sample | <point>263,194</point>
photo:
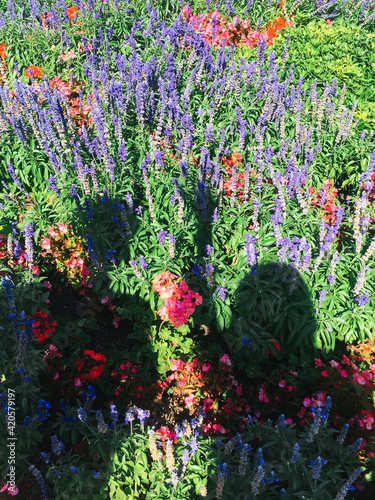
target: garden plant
<point>187,249</point>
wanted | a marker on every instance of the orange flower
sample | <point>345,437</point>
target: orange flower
<point>279,24</point>
<point>2,50</point>
<point>44,19</point>
<point>34,71</point>
<point>72,12</point>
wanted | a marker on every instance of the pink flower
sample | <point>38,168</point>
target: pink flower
<point>325,373</point>
<point>206,367</point>
<point>306,402</point>
<point>329,22</point>
<point>52,232</point>
<point>104,299</point>
<point>46,244</point>
<point>334,364</point>
<point>77,382</point>
<point>282,383</point>
<point>225,360</point>
<point>289,421</point>
<point>263,396</point>
<point>12,490</point>
<point>367,421</point>
<point>189,367</point>
<point>190,400</point>
<point>36,270</point>
<point>318,362</point>
<point>362,378</point>
<point>63,228</point>
<point>177,365</point>
<point>344,373</point>
<point>218,428</point>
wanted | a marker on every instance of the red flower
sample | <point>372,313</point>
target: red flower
<point>95,356</point>
<point>96,372</point>
<point>78,365</point>
<point>72,12</point>
<point>2,50</point>
<point>34,71</point>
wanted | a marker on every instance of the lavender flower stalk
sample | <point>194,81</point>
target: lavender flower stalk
<point>346,486</point>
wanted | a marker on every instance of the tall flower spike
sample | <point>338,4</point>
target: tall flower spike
<point>341,437</point>
<point>347,486</point>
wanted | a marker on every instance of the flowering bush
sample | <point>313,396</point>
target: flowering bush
<point>66,251</point>
<point>180,301</point>
<point>217,32</point>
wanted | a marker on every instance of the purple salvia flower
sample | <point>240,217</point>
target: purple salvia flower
<point>256,226</point>
<point>209,250</point>
<point>29,232</point>
<point>363,299</point>
<point>283,244</point>
<point>52,184</point>
<point>360,280</point>
<point>12,173</point>
<point>114,413</point>
<point>142,262</point>
<point>277,219</point>
<point>133,264</point>
<point>221,293</point>
<point>215,216</point>
<point>251,250</point>
<point>162,235</point>
<point>322,296</point>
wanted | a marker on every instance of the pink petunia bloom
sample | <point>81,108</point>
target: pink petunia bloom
<point>282,383</point>
<point>325,373</point>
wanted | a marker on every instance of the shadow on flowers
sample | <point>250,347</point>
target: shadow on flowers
<point>273,314</point>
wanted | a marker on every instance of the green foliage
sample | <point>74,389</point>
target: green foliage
<point>341,51</point>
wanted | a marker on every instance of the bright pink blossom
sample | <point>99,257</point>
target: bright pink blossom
<point>225,360</point>
<point>189,400</point>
